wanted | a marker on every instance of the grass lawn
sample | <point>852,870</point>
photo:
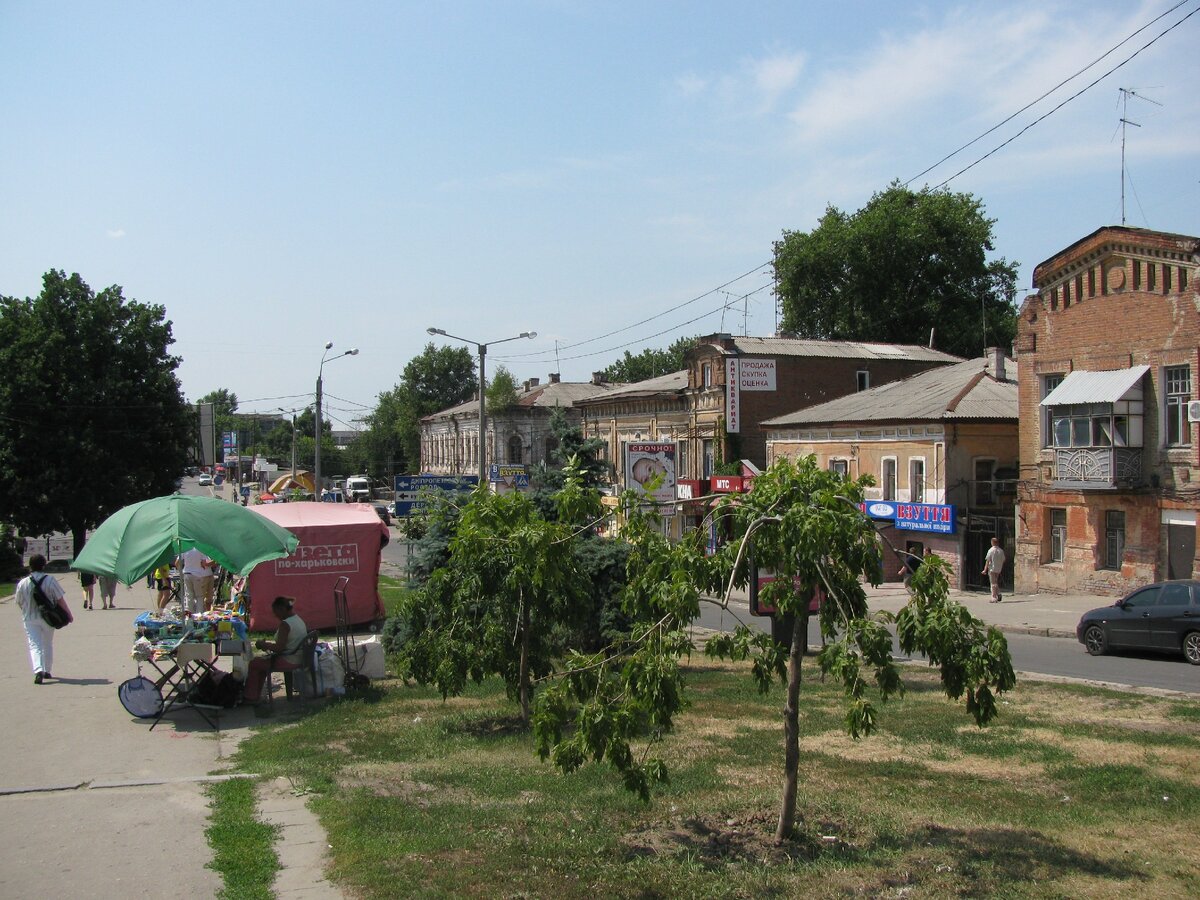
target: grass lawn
<point>1075,792</point>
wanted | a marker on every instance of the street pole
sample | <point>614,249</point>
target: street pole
<point>482,348</point>
<point>317,429</point>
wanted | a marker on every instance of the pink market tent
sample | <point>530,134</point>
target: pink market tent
<point>335,539</point>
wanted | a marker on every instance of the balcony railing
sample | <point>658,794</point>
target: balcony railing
<point>1099,466</point>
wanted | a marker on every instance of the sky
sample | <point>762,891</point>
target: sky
<point>611,175</point>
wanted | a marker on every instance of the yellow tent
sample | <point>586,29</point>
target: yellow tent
<point>285,483</point>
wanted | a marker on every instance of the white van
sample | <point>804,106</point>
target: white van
<point>358,489</point>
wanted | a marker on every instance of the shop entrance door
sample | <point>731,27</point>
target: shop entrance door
<point>978,541</point>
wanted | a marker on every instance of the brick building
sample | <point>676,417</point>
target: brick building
<point>942,447</point>
<point>1108,347</point>
<point>735,383</point>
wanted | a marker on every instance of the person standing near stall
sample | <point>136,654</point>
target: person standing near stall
<point>39,634</point>
<point>195,567</point>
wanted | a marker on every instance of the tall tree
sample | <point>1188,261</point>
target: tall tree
<point>92,417</point>
<point>439,378</point>
<point>650,363</point>
<point>501,391</point>
<point>905,265</point>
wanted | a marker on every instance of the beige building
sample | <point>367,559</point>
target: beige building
<point>520,435</point>
<point>942,448</point>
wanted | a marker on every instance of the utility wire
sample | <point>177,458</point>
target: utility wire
<point>1032,103</point>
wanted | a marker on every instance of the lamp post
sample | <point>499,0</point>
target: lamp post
<point>293,412</point>
<point>317,429</point>
<point>482,348</point>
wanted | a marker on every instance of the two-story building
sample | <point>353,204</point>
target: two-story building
<point>1109,480</point>
<point>942,447</point>
<point>735,383</point>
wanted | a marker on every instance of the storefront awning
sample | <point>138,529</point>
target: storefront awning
<point>1095,387</point>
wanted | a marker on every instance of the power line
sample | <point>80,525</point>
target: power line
<point>1032,103</point>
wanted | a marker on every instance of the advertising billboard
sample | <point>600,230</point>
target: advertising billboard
<point>650,468</point>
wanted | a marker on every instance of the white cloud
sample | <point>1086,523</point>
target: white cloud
<point>777,74</point>
<point>116,233</point>
<point>691,84</point>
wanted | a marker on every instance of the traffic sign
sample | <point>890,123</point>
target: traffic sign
<point>409,487</point>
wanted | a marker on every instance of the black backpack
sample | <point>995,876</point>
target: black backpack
<point>53,614</point>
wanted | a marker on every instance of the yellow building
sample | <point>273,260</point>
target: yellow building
<point>942,448</point>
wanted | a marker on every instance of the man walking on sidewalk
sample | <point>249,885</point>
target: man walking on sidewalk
<point>993,565</point>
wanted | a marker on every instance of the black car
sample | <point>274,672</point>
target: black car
<point>1163,617</point>
<point>381,510</point>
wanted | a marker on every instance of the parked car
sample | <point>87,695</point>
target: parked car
<point>382,511</point>
<point>1163,617</point>
<point>205,479</point>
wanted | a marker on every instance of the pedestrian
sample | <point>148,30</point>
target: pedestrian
<point>108,591</point>
<point>993,565</point>
<point>162,581</point>
<point>197,570</point>
<point>88,581</point>
<point>39,634</point>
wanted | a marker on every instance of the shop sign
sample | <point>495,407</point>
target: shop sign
<point>687,489</point>
<point>513,475</point>
<point>733,396</point>
<point>756,374</point>
<point>933,517</point>
<point>321,559</point>
<point>879,509</point>
<point>731,484</point>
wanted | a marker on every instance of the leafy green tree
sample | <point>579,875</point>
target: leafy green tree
<point>440,377</point>
<point>906,264</point>
<point>650,363</point>
<point>91,413</point>
<point>509,581</point>
<point>501,392</point>
<point>803,524</point>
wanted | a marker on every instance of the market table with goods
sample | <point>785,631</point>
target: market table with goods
<point>182,652</point>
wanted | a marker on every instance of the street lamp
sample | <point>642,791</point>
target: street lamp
<point>317,453</point>
<point>482,348</point>
<point>293,412</point>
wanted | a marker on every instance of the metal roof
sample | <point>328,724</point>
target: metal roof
<point>672,383</point>
<point>782,346</point>
<point>559,393</point>
<point>964,391</point>
<point>1095,387</point>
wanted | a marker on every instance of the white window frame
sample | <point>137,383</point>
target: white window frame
<point>1175,405</point>
<point>1057,534</point>
<point>839,464</point>
<point>883,481</point>
<point>1048,382</point>
<point>912,495</point>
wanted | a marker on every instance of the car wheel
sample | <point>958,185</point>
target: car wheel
<point>1191,647</point>
<point>1095,641</point>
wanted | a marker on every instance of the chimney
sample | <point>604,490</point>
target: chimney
<point>996,359</point>
<point>554,377</point>
<point>597,378</point>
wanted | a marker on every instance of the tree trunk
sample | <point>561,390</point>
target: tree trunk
<point>523,677</point>
<point>78,538</point>
<point>791,731</point>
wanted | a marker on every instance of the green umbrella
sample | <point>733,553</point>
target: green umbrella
<point>135,540</point>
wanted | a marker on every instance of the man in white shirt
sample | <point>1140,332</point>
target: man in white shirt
<point>197,571</point>
<point>993,565</point>
<point>39,634</point>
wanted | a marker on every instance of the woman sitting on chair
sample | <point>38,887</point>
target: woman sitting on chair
<point>284,650</point>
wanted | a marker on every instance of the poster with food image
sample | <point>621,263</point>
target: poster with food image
<point>650,468</point>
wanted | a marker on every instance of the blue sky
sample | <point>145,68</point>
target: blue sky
<point>279,175</point>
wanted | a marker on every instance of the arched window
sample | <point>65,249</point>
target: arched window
<point>515,449</point>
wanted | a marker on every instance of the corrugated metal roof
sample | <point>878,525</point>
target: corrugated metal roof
<point>967,390</point>
<point>1095,387</point>
<point>561,393</point>
<point>672,383</point>
<point>780,346</point>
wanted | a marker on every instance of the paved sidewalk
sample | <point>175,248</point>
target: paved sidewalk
<point>1050,615</point>
<point>92,803</point>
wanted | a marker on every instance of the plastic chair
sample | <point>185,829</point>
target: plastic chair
<point>308,653</point>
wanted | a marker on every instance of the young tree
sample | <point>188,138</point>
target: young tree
<point>509,581</point>
<point>91,413</point>
<point>804,525</point>
<point>906,264</point>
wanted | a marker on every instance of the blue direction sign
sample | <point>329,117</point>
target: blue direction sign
<point>409,487</point>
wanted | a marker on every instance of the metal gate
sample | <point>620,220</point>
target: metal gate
<point>978,540</point>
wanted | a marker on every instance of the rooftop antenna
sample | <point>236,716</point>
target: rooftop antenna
<point>1126,93</point>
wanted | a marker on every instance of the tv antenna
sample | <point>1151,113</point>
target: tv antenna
<point>1126,93</point>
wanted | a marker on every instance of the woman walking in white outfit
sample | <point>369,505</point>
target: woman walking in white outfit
<point>40,635</point>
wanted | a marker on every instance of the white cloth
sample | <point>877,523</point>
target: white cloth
<point>39,635</point>
<point>194,562</point>
<point>994,561</point>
